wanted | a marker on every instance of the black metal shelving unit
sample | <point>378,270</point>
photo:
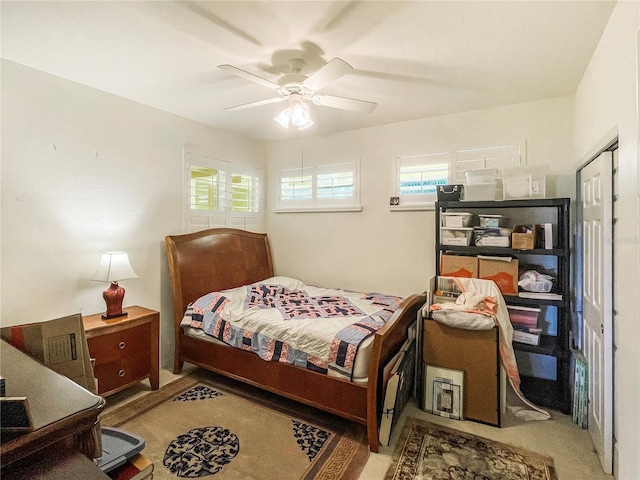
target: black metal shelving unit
<point>555,394</point>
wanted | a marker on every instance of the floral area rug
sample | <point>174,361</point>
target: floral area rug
<point>426,451</point>
<point>207,427</point>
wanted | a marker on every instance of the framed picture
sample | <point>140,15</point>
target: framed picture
<point>444,392</point>
<point>15,414</point>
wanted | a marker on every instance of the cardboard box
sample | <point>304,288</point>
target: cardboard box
<point>523,237</point>
<point>503,271</point>
<point>59,344</point>
<point>458,266</point>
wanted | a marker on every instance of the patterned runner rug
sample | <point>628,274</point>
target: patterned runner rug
<point>426,451</point>
<point>205,426</point>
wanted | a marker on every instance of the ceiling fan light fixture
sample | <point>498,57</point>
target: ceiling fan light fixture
<point>297,114</point>
<point>301,116</point>
<point>284,117</point>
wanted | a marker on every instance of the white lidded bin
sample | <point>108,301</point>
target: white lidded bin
<point>456,236</point>
<point>524,181</point>
<point>456,219</point>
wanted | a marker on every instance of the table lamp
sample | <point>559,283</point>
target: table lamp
<point>113,267</point>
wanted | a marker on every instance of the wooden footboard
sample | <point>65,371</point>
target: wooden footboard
<point>387,342</point>
<point>219,259</point>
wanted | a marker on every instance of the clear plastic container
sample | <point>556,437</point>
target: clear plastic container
<point>481,175</point>
<point>480,191</point>
<point>524,182</point>
<point>492,220</point>
<point>491,237</point>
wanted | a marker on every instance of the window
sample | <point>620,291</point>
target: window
<point>324,187</point>
<point>220,194</point>
<point>418,176</point>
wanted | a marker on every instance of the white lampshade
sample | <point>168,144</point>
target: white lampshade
<point>113,267</point>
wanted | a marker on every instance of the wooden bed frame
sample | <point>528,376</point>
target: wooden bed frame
<point>223,258</point>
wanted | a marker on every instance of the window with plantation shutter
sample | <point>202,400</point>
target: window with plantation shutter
<point>320,188</point>
<point>220,194</point>
<point>418,176</point>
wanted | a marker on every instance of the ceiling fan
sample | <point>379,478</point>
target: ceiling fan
<point>296,87</point>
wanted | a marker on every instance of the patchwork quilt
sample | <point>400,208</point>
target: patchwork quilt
<point>284,320</point>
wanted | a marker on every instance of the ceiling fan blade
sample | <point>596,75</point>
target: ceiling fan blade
<point>256,104</point>
<point>249,76</point>
<point>344,103</point>
<point>330,72</point>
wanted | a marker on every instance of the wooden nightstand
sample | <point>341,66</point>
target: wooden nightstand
<point>126,349</point>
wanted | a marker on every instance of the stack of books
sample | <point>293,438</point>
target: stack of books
<point>138,467</point>
<point>525,324</point>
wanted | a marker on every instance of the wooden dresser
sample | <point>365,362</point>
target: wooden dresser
<point>125,349</point>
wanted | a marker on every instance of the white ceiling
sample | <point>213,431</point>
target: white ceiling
<point>415,59</point>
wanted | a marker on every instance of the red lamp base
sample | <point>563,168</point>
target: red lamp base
<point>113,297</point>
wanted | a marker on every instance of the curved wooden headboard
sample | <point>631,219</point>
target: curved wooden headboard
<point>213,260</point>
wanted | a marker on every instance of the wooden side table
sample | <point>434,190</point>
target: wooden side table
<point>126,349</point>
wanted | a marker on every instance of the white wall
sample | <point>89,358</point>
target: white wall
<point>393,252</point>
<point>606,103</point>
<point>85,172</point>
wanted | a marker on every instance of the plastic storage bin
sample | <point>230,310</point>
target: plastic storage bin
<point>523,316</point>
<point>524,182</point>
<point>456,236</point>
<point>450,193</point>
<point>456,219</point>
<point>117,447</point>
<point>492,221</point>
<point>480,191</point>
<point>481,175</point>
<point>481,184</point>
<point>491,237</point>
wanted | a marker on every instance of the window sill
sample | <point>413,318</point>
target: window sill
<point>415,207</point>
<point>350,208</point>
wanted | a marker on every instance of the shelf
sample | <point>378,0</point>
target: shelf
<point>556,252</point>
<point>535,302</point>
<point>549,393</point>
<point>534,202</point>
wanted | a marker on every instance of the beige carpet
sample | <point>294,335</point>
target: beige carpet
<point>426,451</point>
<point>205,426</point>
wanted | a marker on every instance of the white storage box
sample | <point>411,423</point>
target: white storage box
<point>524,182</point>
<point>492,221</point>
<point>456,236</point>
<point>456,219</point>
<point>480,191</point>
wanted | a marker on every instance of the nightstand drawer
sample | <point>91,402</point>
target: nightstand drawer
<point>122,372</point>
<point>125,350</point>
<point>121,344</point>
